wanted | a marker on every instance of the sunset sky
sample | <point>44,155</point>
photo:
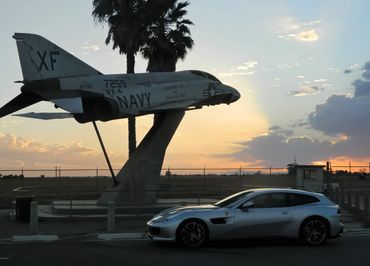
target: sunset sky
<point>302,68</point>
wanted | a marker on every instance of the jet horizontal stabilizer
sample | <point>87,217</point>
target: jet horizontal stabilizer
<point>21,101</point>
<point>45,116</point>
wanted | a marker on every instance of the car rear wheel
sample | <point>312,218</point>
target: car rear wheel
<point>192,233</point>
<point>314,231</point>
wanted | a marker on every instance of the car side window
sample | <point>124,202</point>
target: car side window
<point>277,200</point>
<point>295,199</point>
<point>269,200</point>
<point>260,201</point>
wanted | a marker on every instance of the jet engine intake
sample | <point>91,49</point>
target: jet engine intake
<point>95,109</point>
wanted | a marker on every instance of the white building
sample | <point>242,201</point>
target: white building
<point>310,177</point>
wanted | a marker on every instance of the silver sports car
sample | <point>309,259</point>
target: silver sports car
<point>308,216</point>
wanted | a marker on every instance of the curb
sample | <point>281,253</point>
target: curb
<point>121,236</point>
<point>35,238</point>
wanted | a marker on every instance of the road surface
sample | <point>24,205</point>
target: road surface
<point>352,249</point>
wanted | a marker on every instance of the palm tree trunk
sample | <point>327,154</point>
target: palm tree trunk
<point>130,57</point>
<point>131,120</point>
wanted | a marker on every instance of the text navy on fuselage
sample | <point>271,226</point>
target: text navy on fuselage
<point>134,100</point>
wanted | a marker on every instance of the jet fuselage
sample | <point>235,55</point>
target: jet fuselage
<point>52,74</point>
<point>106,97</point>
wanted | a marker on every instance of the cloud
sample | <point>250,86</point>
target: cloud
<point>320,80</point>
<point>29,153</point>
<point>92,47</point>
<point>232,74</point>
<point>274,128</point>
<point>365,70</point>
<point>279,150</point>
<point>288,65</point>
<point>349,116</point>
<point>241,70</point>
<point>306,91</point>
<point>307,36</point>
<point>292,29</point>
<point>300,123</point>
<point>247,65</point>
<point>277,129</point>
<point>342,115</point>
<point>344,119</point>
<point>362,88</point>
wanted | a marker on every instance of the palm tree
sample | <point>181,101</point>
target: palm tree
<point>154,27</point>
<point>168,36</point>
<point>127,23</point>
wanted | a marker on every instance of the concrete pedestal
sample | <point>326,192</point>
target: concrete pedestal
<point>139,177</point>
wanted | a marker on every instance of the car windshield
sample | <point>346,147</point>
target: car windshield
<point>233,198</point>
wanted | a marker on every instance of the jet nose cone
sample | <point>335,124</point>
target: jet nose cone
<point>236,95</point>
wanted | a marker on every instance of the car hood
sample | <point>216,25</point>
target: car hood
<point>179,209</point>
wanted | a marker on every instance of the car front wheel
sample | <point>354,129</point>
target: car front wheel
<point>314,231</point>
<point>192,233</point>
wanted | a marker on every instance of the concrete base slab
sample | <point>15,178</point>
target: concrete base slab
<point>28,238</point>
<point>121,236</point>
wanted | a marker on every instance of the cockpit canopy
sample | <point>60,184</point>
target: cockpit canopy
<point>205,74</point>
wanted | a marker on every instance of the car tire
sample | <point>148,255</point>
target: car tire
<point>314,231</point>
<point>192,233</point>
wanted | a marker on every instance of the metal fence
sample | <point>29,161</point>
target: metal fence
<point>58,171</point>
<point>102,172</point>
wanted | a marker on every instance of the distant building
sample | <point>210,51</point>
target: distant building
<point>310,177</point>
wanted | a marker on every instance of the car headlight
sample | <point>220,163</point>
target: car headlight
<point>166,217</point>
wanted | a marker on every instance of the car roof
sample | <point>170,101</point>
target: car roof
<point>284,190</point>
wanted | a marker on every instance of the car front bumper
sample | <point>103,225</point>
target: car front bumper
<point>161,231</point>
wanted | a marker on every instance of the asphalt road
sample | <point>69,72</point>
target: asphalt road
<point>348,250</point>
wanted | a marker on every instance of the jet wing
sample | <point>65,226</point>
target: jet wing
<point>46,116</point>
<point>21,101</point>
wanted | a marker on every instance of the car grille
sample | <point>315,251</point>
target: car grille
<point>153,230</point>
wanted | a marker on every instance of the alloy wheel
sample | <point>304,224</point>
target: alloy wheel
<point>315,232</point>
<point>193,234</point>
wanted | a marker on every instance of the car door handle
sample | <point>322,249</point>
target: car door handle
<point>284,212</point>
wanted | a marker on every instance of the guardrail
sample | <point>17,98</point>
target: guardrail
<point>353,200</point>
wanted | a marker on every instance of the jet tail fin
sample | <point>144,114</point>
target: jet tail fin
<point>42,59</point>
<point>21,101</point>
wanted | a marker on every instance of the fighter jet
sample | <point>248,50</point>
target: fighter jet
<point>52,74</point>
